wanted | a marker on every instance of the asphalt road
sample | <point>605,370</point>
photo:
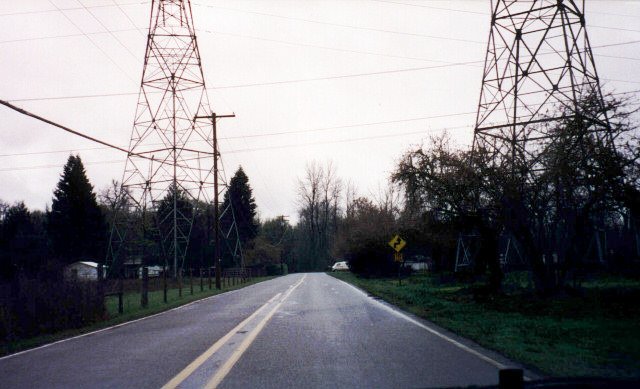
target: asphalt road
<point>302,331</point>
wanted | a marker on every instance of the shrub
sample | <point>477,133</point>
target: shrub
<point>276,270</point>
<point>38,306</point>
<point>372,258</point>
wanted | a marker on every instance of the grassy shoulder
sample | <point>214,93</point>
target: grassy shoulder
<point>594,334</point>
<point>132,311</point>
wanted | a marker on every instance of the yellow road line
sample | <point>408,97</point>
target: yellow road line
<point>186,372</point>
<point>228,365</point>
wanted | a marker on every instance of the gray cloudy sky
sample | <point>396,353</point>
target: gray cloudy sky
<point>354,82</point>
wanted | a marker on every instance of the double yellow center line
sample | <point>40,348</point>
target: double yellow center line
<point>226,367</point>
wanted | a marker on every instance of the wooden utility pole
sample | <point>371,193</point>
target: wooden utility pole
<point>216,210</point>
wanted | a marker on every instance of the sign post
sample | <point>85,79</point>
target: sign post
<point>397,244</point>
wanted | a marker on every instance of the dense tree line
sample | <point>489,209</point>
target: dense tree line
<point>584,186</point>
<point>73,229</point>
<point>549,206</point>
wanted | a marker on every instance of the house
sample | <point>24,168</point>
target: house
<point>132,266</point>
<point>154,271</point>
<point>81,270</point>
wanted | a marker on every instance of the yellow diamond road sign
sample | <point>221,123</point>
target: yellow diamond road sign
<point>397,243</point>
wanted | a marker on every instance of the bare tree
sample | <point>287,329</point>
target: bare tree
<point>319,195</point>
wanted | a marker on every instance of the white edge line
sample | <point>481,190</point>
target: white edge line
<point>117,325</point>
<point>431,330</point>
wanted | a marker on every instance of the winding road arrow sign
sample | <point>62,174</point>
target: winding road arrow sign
<point>397,243</point>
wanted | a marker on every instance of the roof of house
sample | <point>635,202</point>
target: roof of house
<point>88,263</point>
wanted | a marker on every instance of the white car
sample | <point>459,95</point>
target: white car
<point>338,266</point>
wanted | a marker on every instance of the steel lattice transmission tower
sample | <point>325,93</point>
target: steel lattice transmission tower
<point>170,163</point>
<point>538,68</point>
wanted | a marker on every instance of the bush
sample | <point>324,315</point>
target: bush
<point>276,270</point>
<point>372,258</point>
<point>33,307</point>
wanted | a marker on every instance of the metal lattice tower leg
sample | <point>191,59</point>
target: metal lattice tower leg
<point>538,68</point>
<point>170,168</point>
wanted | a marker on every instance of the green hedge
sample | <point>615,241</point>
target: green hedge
<point>277,270</point>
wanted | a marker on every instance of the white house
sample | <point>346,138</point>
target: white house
<point>154,271</point>
<point>82,270</point>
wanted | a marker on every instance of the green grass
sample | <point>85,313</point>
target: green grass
<point>132,311</point>
<point>594,334</point>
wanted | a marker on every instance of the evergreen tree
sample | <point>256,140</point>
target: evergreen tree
<point>240,196</point>
<point>76,224</point>
<point>181,220</point>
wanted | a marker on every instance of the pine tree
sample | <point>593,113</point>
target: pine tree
<point>243,205</point>
<point>76,224</point>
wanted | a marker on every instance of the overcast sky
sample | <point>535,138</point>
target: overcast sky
<point>354,82</point>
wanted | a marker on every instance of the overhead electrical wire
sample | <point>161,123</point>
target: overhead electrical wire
<point>322,47</point>
<point>268,83</point>
<point>64,36</point>
<point>349,26</point>
<point>53,166</point>
<point>67,129</point>
<point>487,14</point>
<point>278,133</point>
<point>281,132</point>
<point>70,8</point>
<point>114,36</point>
<point>93,43</point>
<point>269,134</point>
<point>126,15</point>
<point>276,147</point>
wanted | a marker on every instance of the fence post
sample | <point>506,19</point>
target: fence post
<point>164,282</point>
<point>191,280</point>
<point>121,293</point>
<point>144,298</point>
<point>101,280</point>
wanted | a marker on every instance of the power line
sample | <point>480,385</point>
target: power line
<point>433,7</point>
<point>67,129</point>
<point>78,133</point>
<point>107,29</point>
<point>290,132</point>
<point>69,9</point>
<point>487,14</point>
<point>616,57</point>
<point>53,151</point>
<point>52,166</point>
<point>612,28</point>
<point>378,29</point>
<point>84,96</point>
<point>129,18</point>
<point>336,77</point>
<point>73,97</point>
<point>92,42</point>
<point>343,25</point>
<point>258,83</point>
<point>616,44</point>
<point>372,137</point>
<point>64,36</point>
<point>348,140</point>
<point>276,133</point>
<point>324,47</point>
